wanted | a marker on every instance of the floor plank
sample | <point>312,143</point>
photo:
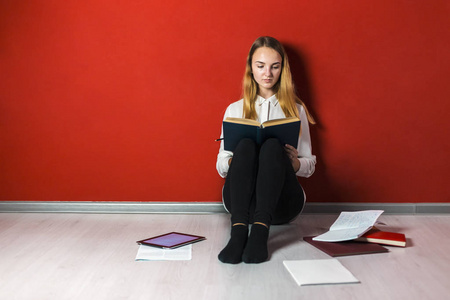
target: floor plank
<point>91,256</point>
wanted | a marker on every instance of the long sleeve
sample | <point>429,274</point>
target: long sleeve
<point>304,148</point>
<point>224,156</point>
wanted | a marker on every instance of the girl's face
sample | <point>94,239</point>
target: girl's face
<point>266,69</point>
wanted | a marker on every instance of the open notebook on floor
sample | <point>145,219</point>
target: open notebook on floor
<point>147,253</point>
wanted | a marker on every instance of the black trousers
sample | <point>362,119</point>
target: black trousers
<point>261,185</point>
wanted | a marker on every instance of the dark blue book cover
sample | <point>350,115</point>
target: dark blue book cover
<point>287,131</point>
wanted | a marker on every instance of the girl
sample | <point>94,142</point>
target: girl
<point>261,186</point>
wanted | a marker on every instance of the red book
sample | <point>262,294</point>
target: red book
<point>383,237</point>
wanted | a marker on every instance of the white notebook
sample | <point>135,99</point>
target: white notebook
<point>319,271</point>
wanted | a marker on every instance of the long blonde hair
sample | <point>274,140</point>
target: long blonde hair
<point>284,88</point>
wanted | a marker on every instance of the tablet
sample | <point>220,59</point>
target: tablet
<point>171,240</point>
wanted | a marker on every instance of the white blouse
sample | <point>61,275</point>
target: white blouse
<point>269,109</point>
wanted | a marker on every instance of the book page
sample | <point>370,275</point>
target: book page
<point>341,235</point>
<point>356,219</point>
<point>350,225</point>
<point>243,121</point>
<point>280,121</point>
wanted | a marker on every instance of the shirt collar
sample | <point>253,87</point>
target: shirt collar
<point>272,99</point>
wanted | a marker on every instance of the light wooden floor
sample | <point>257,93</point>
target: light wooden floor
<point>91,256</point>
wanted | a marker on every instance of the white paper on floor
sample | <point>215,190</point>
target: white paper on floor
<point>319,271</point>
<point>146,253</point>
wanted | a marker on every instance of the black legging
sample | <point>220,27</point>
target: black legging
<point>261,185</point>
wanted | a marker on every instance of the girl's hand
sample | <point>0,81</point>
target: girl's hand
<point>292,153</point>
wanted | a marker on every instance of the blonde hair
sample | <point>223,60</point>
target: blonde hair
<point>284,88</point>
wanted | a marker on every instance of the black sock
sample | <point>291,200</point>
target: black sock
<point>232,253</point>
<point>256,250</point>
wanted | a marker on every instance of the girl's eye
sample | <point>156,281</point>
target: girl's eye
<point>260,67</point>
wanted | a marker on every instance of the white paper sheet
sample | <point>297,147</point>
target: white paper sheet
<point>319,271</point>
<point>350,225</point>
<point>146,253</point>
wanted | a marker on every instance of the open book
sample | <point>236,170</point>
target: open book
<point>350,226</point>
<point>285,130</point>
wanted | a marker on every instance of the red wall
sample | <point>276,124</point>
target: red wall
<point>122,100</point>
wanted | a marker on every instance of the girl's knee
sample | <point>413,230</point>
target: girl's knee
<point>246,151</point>
<point>246,145</point>
<point>271,148</point>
